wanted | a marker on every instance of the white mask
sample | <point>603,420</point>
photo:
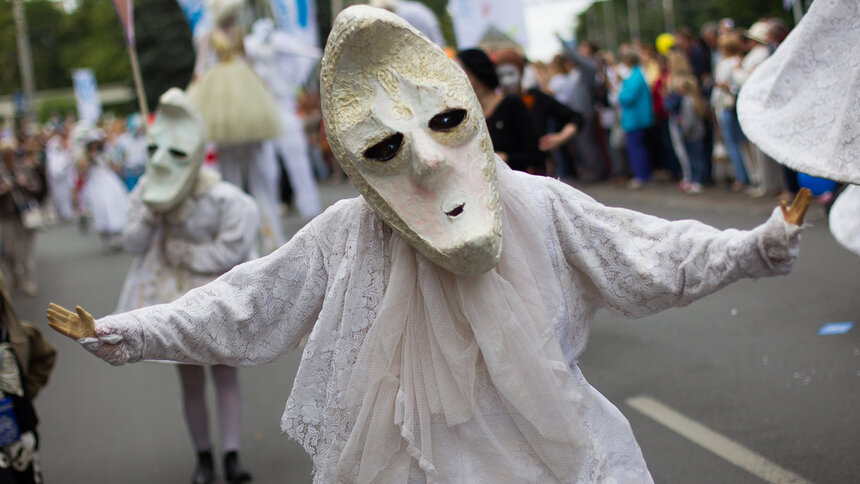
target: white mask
<point>175,143</point>
<point>404,123</point>
<point>509,78</point>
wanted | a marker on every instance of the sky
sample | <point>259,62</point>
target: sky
<point>545,18</point>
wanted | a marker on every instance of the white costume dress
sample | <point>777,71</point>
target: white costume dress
<point>345,280</point>
<point>240,114</point>
<point>106,197</point>
<point>61,176</point>
<point>212,231</point>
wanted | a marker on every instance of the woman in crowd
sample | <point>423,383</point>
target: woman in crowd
<point>723,98</point>
<point>21,186</point>
<point>691,121</point>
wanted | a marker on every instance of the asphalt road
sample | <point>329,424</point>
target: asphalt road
<point>744,372</point>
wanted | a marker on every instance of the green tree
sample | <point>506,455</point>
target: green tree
<point>42,19</point>
<point>164,47</point>
<point>693,13</point>
<point>91,37</point>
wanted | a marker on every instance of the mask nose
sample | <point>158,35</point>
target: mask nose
<point>429,158</point>
<point>160,162</point>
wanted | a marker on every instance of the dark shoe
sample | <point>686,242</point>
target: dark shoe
<point>233,471</point>
<point>205,471</point>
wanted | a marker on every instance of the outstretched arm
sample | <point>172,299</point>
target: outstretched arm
<point>251,315</point>
<point>639,264</point>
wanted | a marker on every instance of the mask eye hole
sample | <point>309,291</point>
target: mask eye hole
<point>448,120</point>
<point>151,149</point>
<point>385,149</point>
<point>178,153</point>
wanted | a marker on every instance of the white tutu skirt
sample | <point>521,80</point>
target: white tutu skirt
<point>235,104</point>
<point>106,198</point>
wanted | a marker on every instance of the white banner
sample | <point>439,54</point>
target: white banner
<point>298,18</point>
<point>87,95</point>
<point>472,18</point>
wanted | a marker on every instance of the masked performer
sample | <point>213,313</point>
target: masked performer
<point>445,308</point>
<point>240,113</point>
<point>188,227</point>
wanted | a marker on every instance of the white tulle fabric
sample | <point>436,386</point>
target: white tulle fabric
<point>802,105</point>
<point>433,331</point>
<point>454,400</point>
<point>106,198</point>
<point>845,219</point>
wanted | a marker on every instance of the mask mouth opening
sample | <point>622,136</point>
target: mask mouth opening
<point>456,210</point>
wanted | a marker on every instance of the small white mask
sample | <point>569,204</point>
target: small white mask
<point>175,143</point>
<point>509,78</point>
<point>404,123</point>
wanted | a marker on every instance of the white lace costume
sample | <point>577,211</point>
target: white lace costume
<point>61,176</point>
<point>330,281</point>
<point>213,230</point>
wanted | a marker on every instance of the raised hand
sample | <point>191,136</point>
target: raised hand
<point>794,214</point>
<point>75,325</point>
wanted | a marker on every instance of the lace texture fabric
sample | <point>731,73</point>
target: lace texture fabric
<point>212,230</point>
<point>330,283</point>
<point>802,105</point>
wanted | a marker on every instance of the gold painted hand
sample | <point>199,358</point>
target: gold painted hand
<point>794,214</point>
<point>75,325</point>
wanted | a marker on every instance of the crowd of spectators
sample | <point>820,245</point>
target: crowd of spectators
<point>664,111</point>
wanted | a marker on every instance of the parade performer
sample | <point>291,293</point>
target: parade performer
<point>60,173</point>
<point>446,307</point>
<point>284,64</point>
<point>188,227</point>
<point>800,106</point>
<point>240,113</point>
<point>103,196</point>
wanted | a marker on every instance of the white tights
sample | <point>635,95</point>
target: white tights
<point>193,379</point>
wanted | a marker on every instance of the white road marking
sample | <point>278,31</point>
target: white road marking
<point>715,442</point>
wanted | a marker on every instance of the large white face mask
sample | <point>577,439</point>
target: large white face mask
<point>175,145</point>
<point>406,127</point>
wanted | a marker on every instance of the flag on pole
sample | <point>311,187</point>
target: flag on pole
<point>125,10</point>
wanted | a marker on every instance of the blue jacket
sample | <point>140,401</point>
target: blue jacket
<point>635,99</point>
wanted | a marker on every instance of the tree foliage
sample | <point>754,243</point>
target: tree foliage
<point>692,13</point>
<point>164,47</point>
<point>90,36</point>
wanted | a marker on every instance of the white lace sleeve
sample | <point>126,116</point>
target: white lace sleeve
<point>639,264</point>
<point>251,315</point>
<point>238,222</point>
<point>141,224</point>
